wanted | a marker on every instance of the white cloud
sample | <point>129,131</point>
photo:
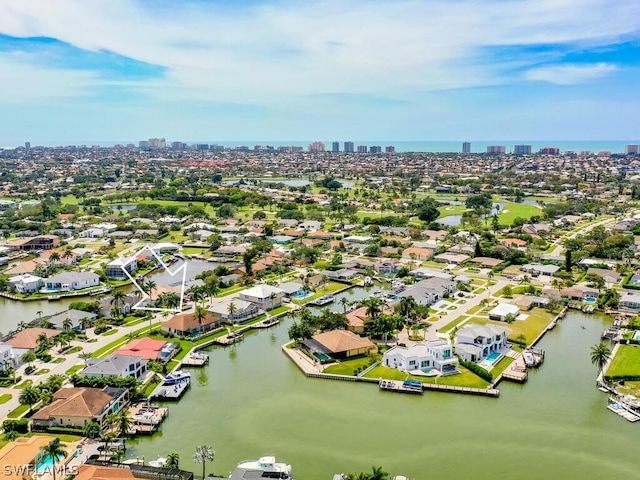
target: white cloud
<point>279,53</point>
<point>569,74</point>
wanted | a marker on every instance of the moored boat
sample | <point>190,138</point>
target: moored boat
<point>177,377</point>
<point>265,467</point>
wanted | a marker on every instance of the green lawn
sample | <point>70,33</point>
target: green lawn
<point>328,288</point>
<point>150,387</point>
<point>111,331</point>
<point>278,310</point>
<point>464,379</point>
<point>194,250</point>
<point>109,348</point>
<point>513,210</point>
<point>626,362</point>
<point>630,388</point>
<point>531,327</point>
<point>4,398</point>
<point>24,384</point>
<point>42,371</point>
<point>452,210</point>
<point>501,366</point>
<point>454,323</point>
<point>74,369</point>
<point>348,367</point>
<point>75,349</point>
<point>18,412</point>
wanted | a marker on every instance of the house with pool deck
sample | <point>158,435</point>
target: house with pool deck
<point>476,342</point>
<point>432,356</point>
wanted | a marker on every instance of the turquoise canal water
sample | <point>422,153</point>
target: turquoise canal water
<point>252,401</point>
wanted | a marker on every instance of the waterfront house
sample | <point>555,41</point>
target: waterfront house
<point>502,311</point>
<point>28,338</point>
<point>187,325</point>
<point>70,281</point>
<point>580,293</point>
<point>233,310</point>
<point>75,407</point>
<point>292,289</point>
<point>116,268</point>
<point>339,344</point>
<point>26,283</point>
<point>611,277</point>
<point>429,290</point>
<point>264,296</point>
<point>358,317</point>
<point>475,342</point>
<point>106,305</point>
<point>424,356</point>
<point>57,321</point>
<point>630,302</point>
<point>116,365</point>
<point>157,350</point>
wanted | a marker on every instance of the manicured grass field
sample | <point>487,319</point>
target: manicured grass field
<point>501,366</point>
<point>513,210</point>
<point>348,367</point>
<point>4,398</point>
<point>24,384</point>
<point>630,388</point>
<point>74,369</point>
<point>42,371</point>
<point>626,361</point>
<point>531,327</point>
<point>326,289</point>
<point>453,324</point>
<point>464,379</point>
<point>75,349</point>
<point>111,331</point>
<point>19,411</point>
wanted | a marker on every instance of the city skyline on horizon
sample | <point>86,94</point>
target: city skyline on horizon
<point>281,69</point>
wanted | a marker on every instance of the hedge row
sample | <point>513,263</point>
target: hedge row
<point>20,426</point>
<point>477,369</point>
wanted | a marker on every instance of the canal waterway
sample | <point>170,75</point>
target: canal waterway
<point>252,401</point>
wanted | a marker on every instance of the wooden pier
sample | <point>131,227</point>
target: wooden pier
<point>195,359</point>
<point>170,392</point>
<point>401,387</point>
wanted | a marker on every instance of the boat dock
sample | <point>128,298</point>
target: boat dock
<point>533,357</point>
<point>408,386</point>
<point>620,407</point>
<point>195,359</point>
<point>146,418</point>
<point>170,392</point>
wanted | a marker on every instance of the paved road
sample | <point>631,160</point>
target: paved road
<point>557,250</point>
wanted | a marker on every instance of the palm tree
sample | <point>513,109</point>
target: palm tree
<point>197,294</point>
<point>600,354</point>
<point>148,287</point>
<point>231,309</point>
<point>406,306</point>
<point>43,342</point>
<point>54,258</point>
<point>85,323</point>
<point>29,396</point>
<point>173,461</point>
<point>374,307</point>
<point>67,324</point>
<point>54,451</point>
<point>117,300</point>
<point>345,303</point>
<point>123,422</point>
<point>203,454</point>
<point>85,356</point>
<point>28,357</point>
<point>200,314</point>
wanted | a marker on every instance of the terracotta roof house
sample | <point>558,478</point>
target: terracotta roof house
<point>186,324</point>
<point>417,253</point>
<point>22,452</point>
<point>75,407</point>
<point>487,262</point>
<point>340,344</point>
<point>358,317</point>
<point>100,472</point>
<point>514,242</point>
<point>149,349</point>
<point>28,338</point>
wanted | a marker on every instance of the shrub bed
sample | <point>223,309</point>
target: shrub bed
<point>477,369</point>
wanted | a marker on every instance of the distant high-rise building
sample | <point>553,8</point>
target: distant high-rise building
<point>348,147</point>
<point>362,149</point>
<point>375,149</point>
<point>143,144</point>
<point>178,145</point>
<point>131,145</point>
<point>316,147</point>
<point>628,149</point>
<point>522,150</point>
<point>390,149</point>
<point>466,147</point>
<point>549,151</point>
<point>202,146</point>
<point>496,149</point>
<point>335,147</point>
<point>27,145</point>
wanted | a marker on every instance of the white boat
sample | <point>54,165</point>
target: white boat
<point>368,281</point>
<point>265,467</point>
<point>177,377</point>
<point>158,462</point>
<point>529,361</point>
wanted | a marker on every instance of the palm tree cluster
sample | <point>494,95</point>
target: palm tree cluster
<point>31,395</point>
<point>376,474</point>
<point>309,324</point>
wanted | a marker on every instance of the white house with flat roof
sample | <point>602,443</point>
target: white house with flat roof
<point>630,301</point>
<point>69,281</point>
<point>26,283</point>
<point>425,356</point>
<point>475,342</point>
<point>503,310</point>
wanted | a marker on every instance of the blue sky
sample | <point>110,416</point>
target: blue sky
<point>75,71</point>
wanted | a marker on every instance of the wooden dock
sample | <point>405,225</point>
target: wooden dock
<point>170,392</point>
<point>195,359</point>
<point>401,387</point>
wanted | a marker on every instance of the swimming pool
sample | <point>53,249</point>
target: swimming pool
<point>321,356</point>
<point>637,335</point>
<point>493,357</point>
<point>590,300</point>
<point>45,465</point>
